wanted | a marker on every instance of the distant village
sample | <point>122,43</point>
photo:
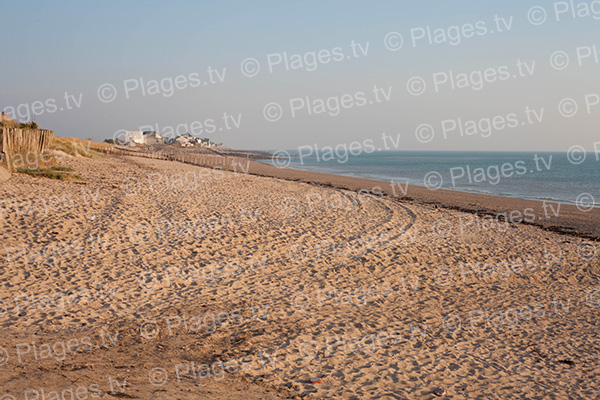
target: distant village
<point>154,138</point>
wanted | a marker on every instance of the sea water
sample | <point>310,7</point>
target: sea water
<point>526,175</point>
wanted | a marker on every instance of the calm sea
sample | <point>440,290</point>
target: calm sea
<point>535,176</point>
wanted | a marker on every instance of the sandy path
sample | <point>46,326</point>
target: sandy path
<point>366,293</point>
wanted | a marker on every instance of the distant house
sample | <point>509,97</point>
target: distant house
<point>205,142</point>
<point>152,137</point>
<point>188,140</point>
<point>134,137</point>
<point>145,137</point>
<point>184,141</point>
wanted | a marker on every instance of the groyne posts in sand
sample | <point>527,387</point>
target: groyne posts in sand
<point>234,164</point>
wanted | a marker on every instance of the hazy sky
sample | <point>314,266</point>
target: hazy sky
<point>119,63</point>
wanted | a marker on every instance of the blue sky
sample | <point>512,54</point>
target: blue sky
<point>75,47</point>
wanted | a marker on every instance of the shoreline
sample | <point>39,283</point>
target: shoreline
<point>464,191</point>
<point>551,215</point>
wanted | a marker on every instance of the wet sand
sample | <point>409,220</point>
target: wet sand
<point>564,218</point>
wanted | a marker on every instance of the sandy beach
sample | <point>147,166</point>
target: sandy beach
<point>153,279</point>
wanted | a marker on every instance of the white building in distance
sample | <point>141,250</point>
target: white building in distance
<point>145,137</point>
<point>134,137</point>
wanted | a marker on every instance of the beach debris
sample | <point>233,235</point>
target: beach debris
<point>314,380</point>
<point>439,392</point>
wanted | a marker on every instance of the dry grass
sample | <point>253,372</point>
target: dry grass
<point>51,173</point>
<point>75,146</point>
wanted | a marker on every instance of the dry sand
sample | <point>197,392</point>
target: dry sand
<point>285,281</point>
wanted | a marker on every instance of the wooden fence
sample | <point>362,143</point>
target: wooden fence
<point>227,163</point>
<point>23,141</point>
